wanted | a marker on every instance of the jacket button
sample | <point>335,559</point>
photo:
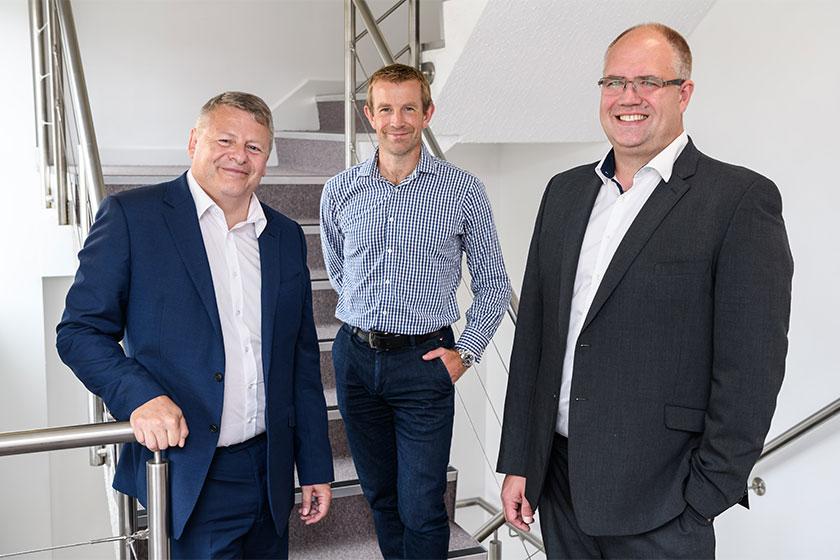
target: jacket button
<point>218,376</point>
<point>214,428</point>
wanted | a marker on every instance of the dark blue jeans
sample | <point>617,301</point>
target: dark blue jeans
<point>398,411</point>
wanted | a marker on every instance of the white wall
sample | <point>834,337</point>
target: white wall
<point>767,79</point>
<point>150,65</point>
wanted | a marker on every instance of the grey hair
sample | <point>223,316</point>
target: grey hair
<point>247,102</point>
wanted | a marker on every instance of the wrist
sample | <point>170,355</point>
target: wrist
<point>467,357</point>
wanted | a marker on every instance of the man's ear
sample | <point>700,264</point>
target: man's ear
<point>427,116</point>
<point>192,142</point>
<point>686,91</point>
<point>369,114</point>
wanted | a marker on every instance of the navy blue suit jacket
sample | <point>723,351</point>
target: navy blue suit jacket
<point>144,279</point>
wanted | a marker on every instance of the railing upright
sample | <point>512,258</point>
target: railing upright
<point>39,30</point>
<point>350,157</point>
<point>85,435</point>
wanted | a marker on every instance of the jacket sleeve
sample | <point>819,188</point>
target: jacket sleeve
<point>93,324</point>
<point>524,361</point>
<point>313,455</point>
<point>751,314</point>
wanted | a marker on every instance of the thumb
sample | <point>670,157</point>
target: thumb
<point>526,511</point>
<point>305,500</point>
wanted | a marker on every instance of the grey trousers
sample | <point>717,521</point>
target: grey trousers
<point>687,536</point>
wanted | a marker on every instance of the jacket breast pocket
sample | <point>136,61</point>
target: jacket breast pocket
<point>684,418</point>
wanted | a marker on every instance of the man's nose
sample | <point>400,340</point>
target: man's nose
<point>629,96</point>
<point>237,154</point>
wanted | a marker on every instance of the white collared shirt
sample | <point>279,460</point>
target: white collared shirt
<point>613,213</point>
<point>234,257</point>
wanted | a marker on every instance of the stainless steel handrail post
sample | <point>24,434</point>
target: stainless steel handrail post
<point>58,122</point>
<point>127,521</point>
<point>157,480</point>
<point>414,33</point>
<point>78,87</point>
<point>350,158</point>
<point>379,42</point>
<point>38,37</point>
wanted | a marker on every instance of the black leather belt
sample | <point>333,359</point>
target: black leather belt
<point>390,341</point>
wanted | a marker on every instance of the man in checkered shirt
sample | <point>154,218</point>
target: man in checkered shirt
<point>393,230</point>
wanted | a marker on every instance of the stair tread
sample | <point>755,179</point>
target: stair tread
<point>363,544</point>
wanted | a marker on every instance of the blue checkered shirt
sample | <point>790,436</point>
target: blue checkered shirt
<point>393,252</point>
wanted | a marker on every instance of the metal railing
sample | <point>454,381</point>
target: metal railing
<point>68,154</point>
<point>70,437</point>
<point>792,434</point>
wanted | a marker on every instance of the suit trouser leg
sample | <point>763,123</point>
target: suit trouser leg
<point>686,536</point>
<point>232,518</point>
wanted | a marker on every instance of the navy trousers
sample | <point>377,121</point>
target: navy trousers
<point>398,412</point>
<point>232,518</point>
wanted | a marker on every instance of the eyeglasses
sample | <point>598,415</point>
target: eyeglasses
<point>643,85</point>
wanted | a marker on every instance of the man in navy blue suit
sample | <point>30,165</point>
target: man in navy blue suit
<point>209,292</point>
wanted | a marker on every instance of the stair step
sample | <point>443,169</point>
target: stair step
<point>350,523</point>
<point>312,152</point>
<point>331,115</point>
<point>320,541</point>
<point>299,201</point>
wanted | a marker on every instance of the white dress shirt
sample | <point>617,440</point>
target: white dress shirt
<point>234,257</point>
<point>613,213</point>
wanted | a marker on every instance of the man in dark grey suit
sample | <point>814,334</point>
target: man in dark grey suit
<point>652,329</point>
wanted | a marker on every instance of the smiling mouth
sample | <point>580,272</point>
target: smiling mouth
<point>631,118</point>
<point>234,171</point>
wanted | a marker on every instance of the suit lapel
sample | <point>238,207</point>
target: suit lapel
<point>660,203</point>
<point>577,220</point>
<point>269,242</point>
<point>180,215</point>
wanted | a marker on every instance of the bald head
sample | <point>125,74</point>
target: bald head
<point>656,32</point>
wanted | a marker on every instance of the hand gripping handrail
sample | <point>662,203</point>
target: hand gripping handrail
<point>85,435</point>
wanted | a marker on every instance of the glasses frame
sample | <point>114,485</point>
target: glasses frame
<point>636,83</point>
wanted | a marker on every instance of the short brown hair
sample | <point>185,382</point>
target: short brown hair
<point>396,74</point>
<point>247,102</point>
<point>682,60</point>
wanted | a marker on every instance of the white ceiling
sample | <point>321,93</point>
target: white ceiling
<point>528,69</point>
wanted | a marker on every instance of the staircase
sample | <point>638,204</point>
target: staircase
<point>305,161</point>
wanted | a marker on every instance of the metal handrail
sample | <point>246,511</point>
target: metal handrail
<point>800,429</point>
<point>81,105</point>
<point>85,435</point>
<point>790,435</point>
<point>495,522</point>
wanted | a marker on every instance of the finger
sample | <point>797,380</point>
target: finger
<point>139,435</point>
<point>323,506</point>
<point>162,438</point>
<point>305,501</point>
<point>432,354</point>
<point>151,441</point>
<point>184,432</point>
<point>173,435</point>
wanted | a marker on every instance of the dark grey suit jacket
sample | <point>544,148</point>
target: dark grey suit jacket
<point>681,355</point>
